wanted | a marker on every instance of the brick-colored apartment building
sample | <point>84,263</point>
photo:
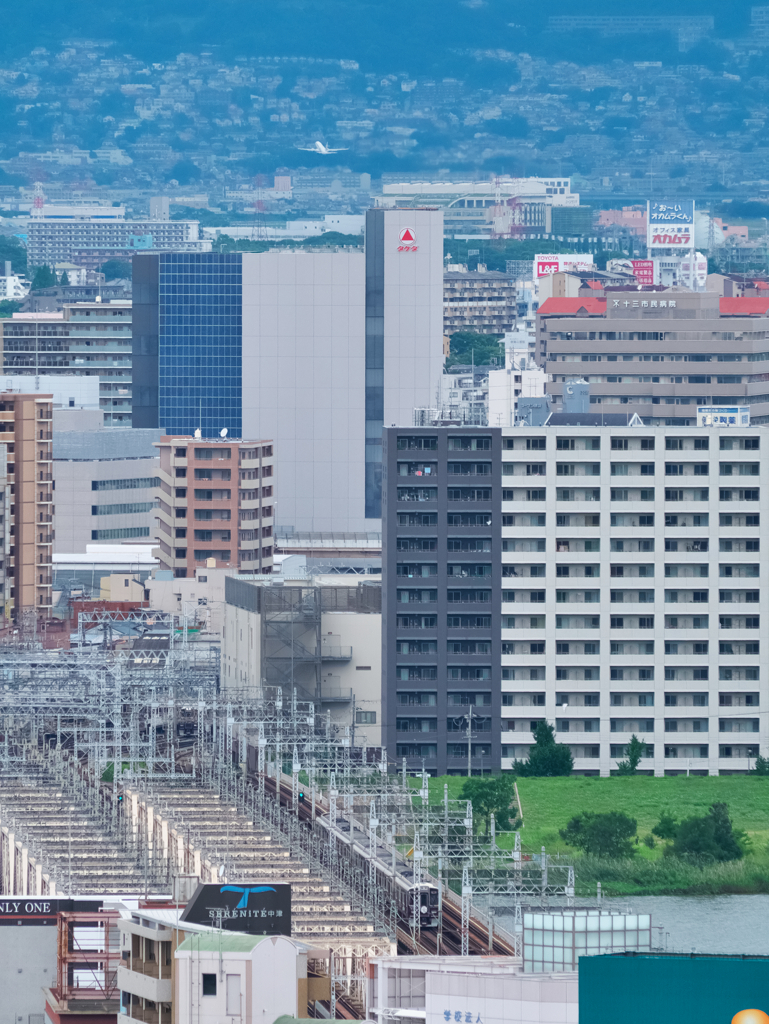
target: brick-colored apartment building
<point>26,433</point>
<point>215,504</point>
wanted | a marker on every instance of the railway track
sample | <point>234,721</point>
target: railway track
<point>447,937</point>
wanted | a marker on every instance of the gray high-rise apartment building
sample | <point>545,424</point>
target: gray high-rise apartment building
<point>442,579</point>
<point>314,349</point>
<point>607,579</point>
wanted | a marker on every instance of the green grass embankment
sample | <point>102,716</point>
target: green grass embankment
<point>549,803</point>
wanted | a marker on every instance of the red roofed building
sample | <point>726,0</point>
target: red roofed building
<point>580,306</point>
<point>744,306</point>
<point>658,354</point>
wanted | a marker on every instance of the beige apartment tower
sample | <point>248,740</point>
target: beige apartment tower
<point>26,432</point>
<point>216,504</point>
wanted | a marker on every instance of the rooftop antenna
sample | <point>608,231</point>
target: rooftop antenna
<point>38,200</point>
<point>223,432</point>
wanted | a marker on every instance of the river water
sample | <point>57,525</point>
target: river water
<point>705,924</point>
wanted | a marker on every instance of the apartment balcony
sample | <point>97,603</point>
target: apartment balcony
<point>168,519</point>
<point>143,979</point>
<point>99,335</point>
<point>585,752</point>
<point>329,653</point>
<point>253,544</point>
<point>332,692</point>
<point>145,1016</point>
<point>144,969</point>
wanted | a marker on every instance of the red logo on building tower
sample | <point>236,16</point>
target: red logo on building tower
<point>408,240</point>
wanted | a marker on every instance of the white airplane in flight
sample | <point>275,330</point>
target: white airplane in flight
<point>318,147</point>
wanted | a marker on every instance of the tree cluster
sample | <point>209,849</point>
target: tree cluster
<point>12,249</point>
<point>468,347</point>
<point>711,837</point>
<point>602,835</point>
<point>492,794</point>
<point>635,750</point>
<point>43,277</point>
<point>116,269</point>
<point>546,757</point>
<point>8,307</point>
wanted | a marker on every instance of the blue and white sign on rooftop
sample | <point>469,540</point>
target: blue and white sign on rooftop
<point>674,211</point>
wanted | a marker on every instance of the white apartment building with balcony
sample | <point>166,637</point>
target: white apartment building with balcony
<point>610,579</point>
<point>634,595</point>
<point>87,339</point>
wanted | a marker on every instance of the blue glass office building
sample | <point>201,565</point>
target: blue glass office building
<point>314,350</point>
<point>189,344</point>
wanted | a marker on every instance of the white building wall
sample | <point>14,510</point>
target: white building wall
<point>268,977</point>
<point>544,530</point>
<point>413,313</point>
<point>304,381</point>
<point>74,520</point>
<point>525,999</point>
<point>29,966</point>
<point>362,674</point>
<point>202,597</point>
<point>476,990</point>
<point>241,648</point>
<point>12,286</point>
<point>506,387</point>
<point>65,388</point>
<point>304,363</point>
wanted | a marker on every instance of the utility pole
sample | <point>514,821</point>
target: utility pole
<point>69,853</point>
<point>470,741</point>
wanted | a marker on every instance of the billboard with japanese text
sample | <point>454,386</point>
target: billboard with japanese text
<point>723,415</point>
<point>670,223</point>
<point>621,304</point>
<point>643,271</point>
<point>553,263</point>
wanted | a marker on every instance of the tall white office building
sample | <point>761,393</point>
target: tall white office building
<point>314,349</point>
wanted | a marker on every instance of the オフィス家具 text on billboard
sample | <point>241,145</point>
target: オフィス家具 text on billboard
<point>670,224</point>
